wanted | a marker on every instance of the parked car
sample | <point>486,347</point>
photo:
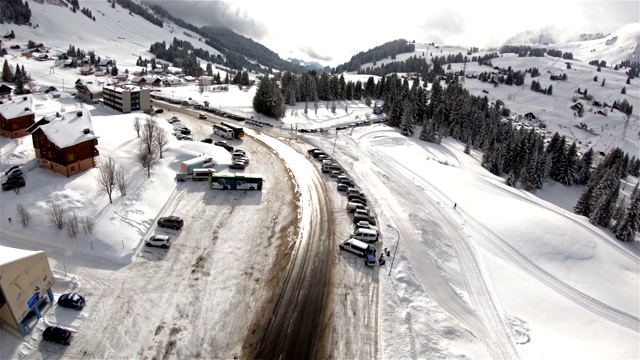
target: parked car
<point>348,183</point>
<point>342,187</point>
<point>173,120</point>
<point>159,111</point>
<point>13,183</point>
<point>202,116</point>
<point>224,144</point>
<point>312,150</point>
<point>369,219</point>
<point>174,222</point>
<point>71,300</point>
<point>367,225</point>
<point>336,173</point>
<point>57,334</point>
<point>163,241</point>
<point>207,140</point>
<point>239,165</point>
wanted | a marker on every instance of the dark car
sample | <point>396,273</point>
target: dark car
<point>13,183</point>
<point>171,222</point>
<point>57,334</point>
<point>207,140</point>
<point>202,116</point>
<point>71,300</point>
<point>224,144</point>
<point>159,111</point>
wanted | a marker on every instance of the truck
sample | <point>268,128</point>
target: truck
<point>200,162</point>
<point>238,132</point>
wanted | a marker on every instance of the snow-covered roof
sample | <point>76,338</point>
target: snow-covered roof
<point>93,84</point>
<point>173,80</point>
<point>18,106</point>
<point>104,62</point>
<point>9,254</point>
<point>121,88</point>
<point>71,128</point>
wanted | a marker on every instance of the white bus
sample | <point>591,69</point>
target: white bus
<point>223,131</point>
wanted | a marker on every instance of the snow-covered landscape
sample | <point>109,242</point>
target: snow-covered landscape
<point>478,269</point>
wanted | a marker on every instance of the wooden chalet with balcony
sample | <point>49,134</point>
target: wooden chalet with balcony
<point>66,143</point>
<point>16,116</point>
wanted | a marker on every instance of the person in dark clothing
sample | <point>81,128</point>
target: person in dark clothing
<point>454,205</point>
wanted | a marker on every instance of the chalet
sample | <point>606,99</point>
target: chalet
<point>172,81</point>
<point>66,143</point>
<point>5,91</point>
<point>67,63</point>
<point>28,53</point>
<point>41,57</point>
<point>205,80</point>
<point>122,77</point>
<point>596,103</point>
<point>105,62</point>
<point>155,81</point>
<point>86,70</point>
<point>90,90</point>
<point>16,116</point>
<point>138,81</point>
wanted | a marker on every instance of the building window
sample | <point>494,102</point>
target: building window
<point>72,168</point>
<point>71,157</point>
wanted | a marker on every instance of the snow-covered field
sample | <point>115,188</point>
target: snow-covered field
<point>506,274</point>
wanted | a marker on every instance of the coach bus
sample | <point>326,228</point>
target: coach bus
<point>223,131</point>
<point>236,181</point>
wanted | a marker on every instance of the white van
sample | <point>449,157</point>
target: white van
<point>357,247</point>
<point>201,174</point>
<point>366,235</point>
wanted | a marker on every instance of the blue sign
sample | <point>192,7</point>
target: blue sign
<point>33,300</point>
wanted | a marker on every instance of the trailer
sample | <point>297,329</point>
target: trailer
<point>238,132</point>
<point>187,166</point>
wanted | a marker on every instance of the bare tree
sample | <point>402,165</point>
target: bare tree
<point>137,126</point>
<point>150,131</point>
<point>106,178</point>
<point>147,157</point>
<point>121,181</point>
<point>161,141</point>
<point>24,216</point>
<point>88,224</point>
<point>71,223</point>
<point>56,214</point>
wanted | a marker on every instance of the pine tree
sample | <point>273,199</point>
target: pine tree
<point>630,219</point>
<point>407,122</point>
<point>623,91</point>
<point>604,210</point>
<point>584,206</point>
<point>7,74</point>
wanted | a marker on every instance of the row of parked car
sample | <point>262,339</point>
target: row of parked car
<point>365,230</point>
<point>13,178</point>
<point>180,130</point>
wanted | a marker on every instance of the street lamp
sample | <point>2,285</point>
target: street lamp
<point>396,250</point>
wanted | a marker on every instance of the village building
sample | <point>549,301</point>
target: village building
<point>90,89</point>
<point>5,91</point>
<point>127,98</point>
<point>66,143</point>
<point>16,115</point>
<point>25,287</point>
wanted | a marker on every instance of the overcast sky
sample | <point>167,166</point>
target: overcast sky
<point>332,31</point>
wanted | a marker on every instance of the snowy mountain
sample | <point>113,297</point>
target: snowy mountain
<point>545,35</point>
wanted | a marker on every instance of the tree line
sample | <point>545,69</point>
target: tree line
<point>15,12</point>
<point>388,49</point>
